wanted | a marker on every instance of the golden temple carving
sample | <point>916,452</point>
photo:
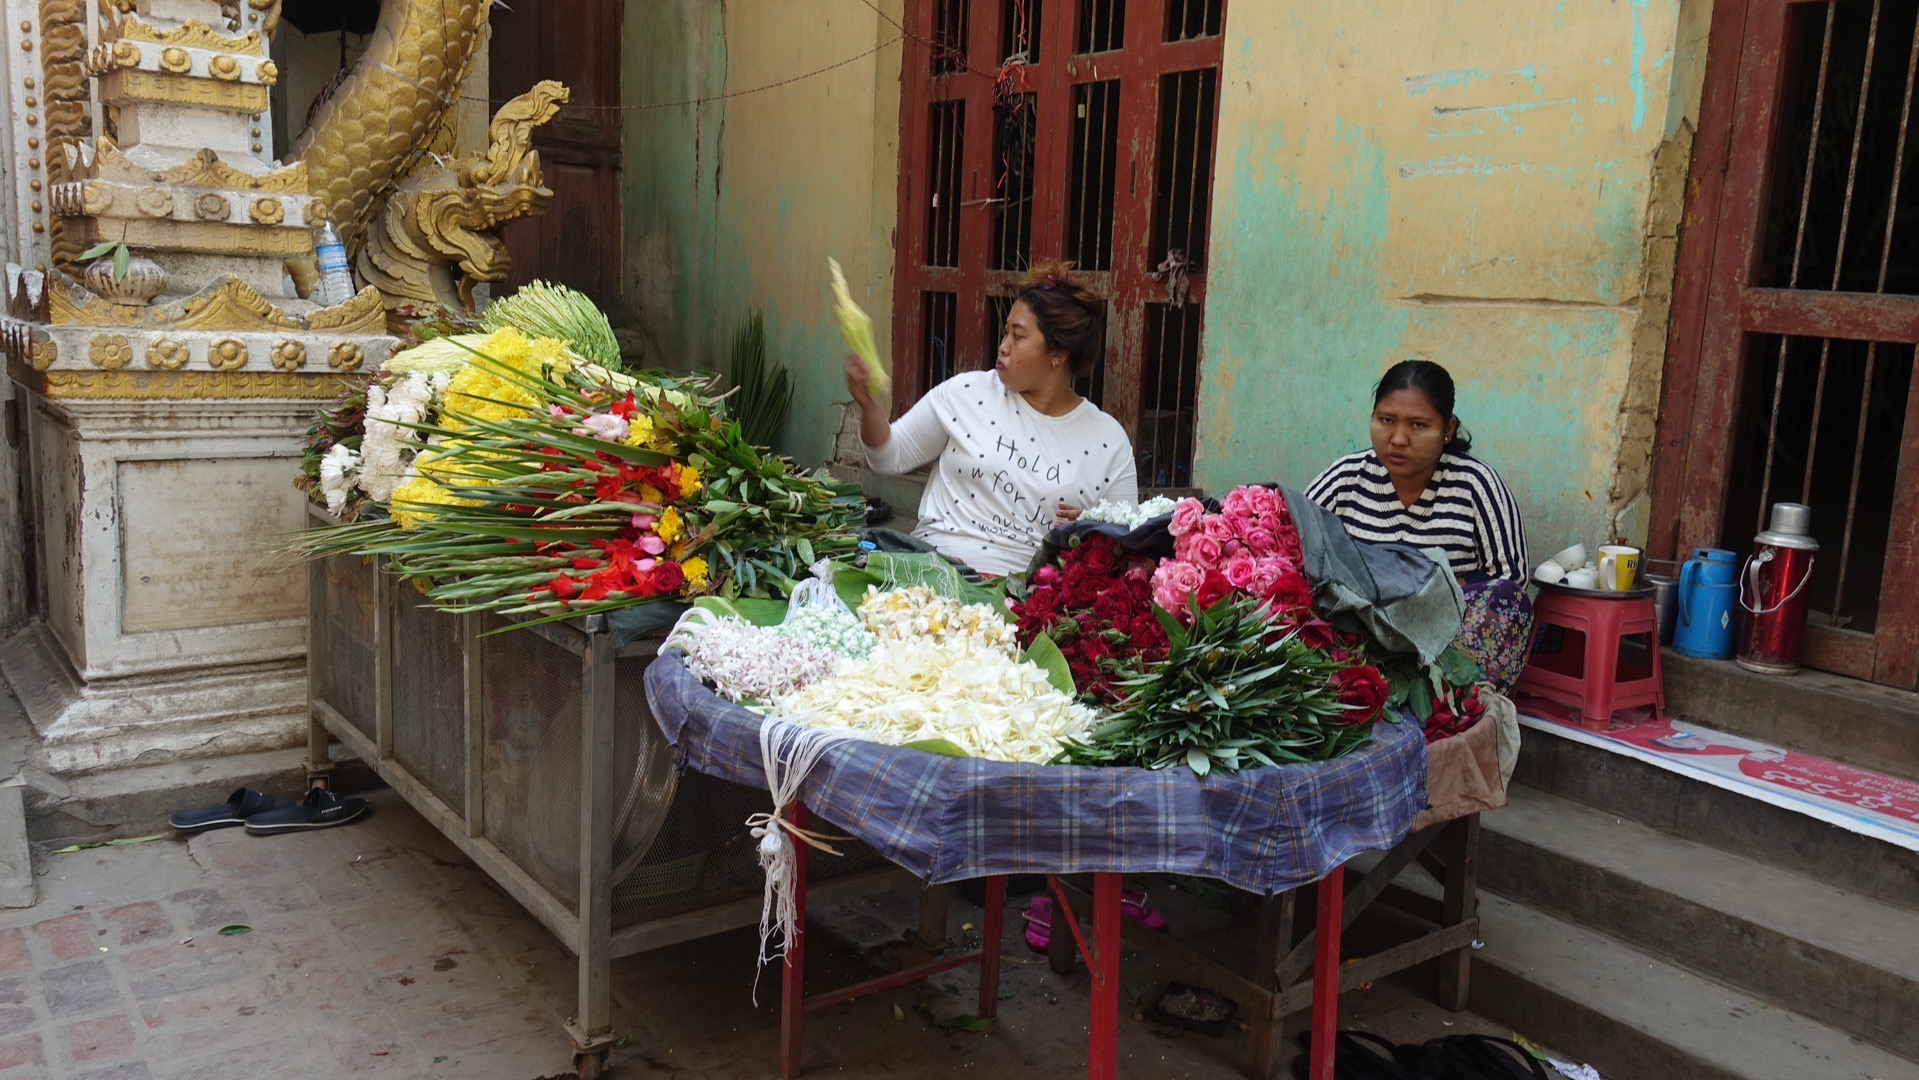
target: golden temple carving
<point>230,304</point>
<point>63,37</point>
<point>448,218</point>
<point>346,356</point>
<point>204,169</point>
<point>183,385</point>
<point>133,84</point>
<point>42,354</point>
<point>289,355</point>
<point>109,351</point>
<point>227,354</point>
<point>193,34</point>
<point>364,314</point>
<point>168,354</point>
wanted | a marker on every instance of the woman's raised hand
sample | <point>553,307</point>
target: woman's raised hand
<point>857,380</point>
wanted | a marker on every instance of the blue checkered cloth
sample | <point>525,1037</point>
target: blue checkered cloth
<point>947,819</point>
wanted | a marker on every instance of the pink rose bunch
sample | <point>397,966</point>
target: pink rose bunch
<point>1249,547</point>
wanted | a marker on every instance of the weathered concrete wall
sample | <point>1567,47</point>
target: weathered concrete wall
<point>736,204</point>
<point>1491,186</point>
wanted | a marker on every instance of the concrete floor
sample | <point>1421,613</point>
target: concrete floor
<point>377,949</point>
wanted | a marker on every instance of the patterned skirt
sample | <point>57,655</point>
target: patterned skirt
<point>1497,629</point>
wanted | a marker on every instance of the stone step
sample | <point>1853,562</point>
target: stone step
<point>1832,955</point>
<point>1636,1017</point>
<point>1713,817</point>
<point>1859,723</point>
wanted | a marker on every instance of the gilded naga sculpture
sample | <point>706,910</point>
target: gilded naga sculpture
<point>423,232</point>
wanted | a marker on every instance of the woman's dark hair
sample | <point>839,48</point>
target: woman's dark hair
<point>1437,384</point>
<point>1071,317</point>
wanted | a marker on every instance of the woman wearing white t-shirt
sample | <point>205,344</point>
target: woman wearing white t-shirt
<point>1014,450</point>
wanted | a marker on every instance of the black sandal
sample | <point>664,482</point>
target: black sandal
<point>1482,1057</point>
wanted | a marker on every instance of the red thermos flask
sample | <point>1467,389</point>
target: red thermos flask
<point>1772,592</point>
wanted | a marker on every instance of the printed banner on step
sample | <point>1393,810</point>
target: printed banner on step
<point>1858,800</point>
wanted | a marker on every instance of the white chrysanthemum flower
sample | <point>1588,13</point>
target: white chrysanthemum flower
<point>387,449</point>
<point>339,469</point>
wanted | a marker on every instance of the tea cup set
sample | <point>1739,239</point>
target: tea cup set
<point>1615,570</point>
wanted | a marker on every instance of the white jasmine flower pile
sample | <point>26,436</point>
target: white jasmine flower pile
<point>942,670</point>
<point>746,663</point>
<point>920,612</point>
<point>1128,514</point>
<point>832,628</point>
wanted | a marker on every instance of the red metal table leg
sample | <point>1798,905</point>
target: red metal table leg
<point>793,973</point>
<point>992,934</point>
<point>1332,912</point>
<point>1102,1049</point>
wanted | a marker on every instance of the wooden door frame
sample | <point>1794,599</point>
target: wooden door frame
<point>1714,309</point>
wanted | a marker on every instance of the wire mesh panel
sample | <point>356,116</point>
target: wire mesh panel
<point>341,637</point>
<point>530,704</point>
<point>429,697</point>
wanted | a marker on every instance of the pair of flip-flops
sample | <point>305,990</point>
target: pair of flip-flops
<point>1361,1055</point>
<point>263,813</point>
<point>1039,917</point>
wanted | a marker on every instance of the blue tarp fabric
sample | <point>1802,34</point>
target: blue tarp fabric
<point>947,819</point>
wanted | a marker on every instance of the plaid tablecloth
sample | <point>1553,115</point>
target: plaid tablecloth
<point>948,819</point>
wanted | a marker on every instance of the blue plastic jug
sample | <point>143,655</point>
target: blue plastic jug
<point>1708,593</point>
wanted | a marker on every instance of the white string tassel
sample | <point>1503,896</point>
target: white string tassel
<point>788,752</point>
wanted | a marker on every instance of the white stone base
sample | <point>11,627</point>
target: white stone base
<point>152,718</point>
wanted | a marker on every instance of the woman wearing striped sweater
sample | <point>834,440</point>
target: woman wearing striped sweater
<point>1420,485</point>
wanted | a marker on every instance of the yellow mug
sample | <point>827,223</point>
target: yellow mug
<point>1618,568</point>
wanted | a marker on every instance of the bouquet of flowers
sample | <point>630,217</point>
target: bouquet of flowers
<point>1248,547</point>
<point>1236,670</point>
<point>1096,605</point>
<point>526,480</point>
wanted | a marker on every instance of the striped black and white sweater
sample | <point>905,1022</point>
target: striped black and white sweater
<point>1466,511</point>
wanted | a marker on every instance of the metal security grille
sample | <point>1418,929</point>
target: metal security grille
<point>1800,350</point>
<point>1082,129</point>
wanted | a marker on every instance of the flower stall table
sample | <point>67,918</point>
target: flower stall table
<point>532,752</point>
<point>949,819</point>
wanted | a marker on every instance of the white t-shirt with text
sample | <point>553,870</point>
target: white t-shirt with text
<point>1000,468</point>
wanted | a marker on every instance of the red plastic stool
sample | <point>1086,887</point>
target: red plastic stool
<point>1593,678</point>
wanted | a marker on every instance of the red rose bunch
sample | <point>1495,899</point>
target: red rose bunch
<point>1096,605</point>
<point>1455,708</point>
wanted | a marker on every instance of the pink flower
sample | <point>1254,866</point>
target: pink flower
<point>1246,501</point>
<point>1261,541</point>
<point>1186,517</point>
<point>1046,575</point>
<point>1239,571</point>
<point>644,521</point>
<point>1173,582</point>
<point>1267,572</point>
<point>652,545</point>
<point>1206,551</point>
<point>1217,527</point>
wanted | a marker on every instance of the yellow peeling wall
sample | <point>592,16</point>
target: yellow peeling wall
<point>737,203</point>
<point>1493,186</point>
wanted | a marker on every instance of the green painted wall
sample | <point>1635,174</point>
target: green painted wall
<point>737,203</point>
<point>1465,182</point>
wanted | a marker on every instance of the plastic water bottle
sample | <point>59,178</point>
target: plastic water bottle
<point>336,282</point>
